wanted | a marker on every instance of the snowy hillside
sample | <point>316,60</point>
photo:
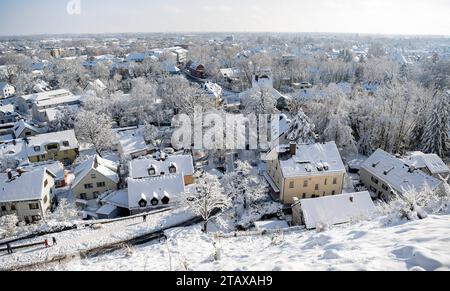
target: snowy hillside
<point>417,245</point>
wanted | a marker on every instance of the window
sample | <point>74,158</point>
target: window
<point>3,208</point>
<point>374,180</point>
<point>83,196</point>
<point>304,195</point>
<point>152,171</point>
<point>373,189</point>
<point>333,192</point>
<point>13,207</point>
<point>53,146</point>
<point>326,182</point>
<point>88,186</point>
<point>66,143</point>
<point>101,184</point>
<point>386,188</point>
<point>96,194</point>
<point>37,148</point>
<point>34,206</point>
<point>291,185</point>
<point>317,187</point>
<point>334,181</point>
<point>36,218</point>
<point>305,183</point>
<point>173,169</point>
<point>93,176</point>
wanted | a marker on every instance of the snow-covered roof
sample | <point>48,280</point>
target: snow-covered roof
<point>66,140</point>
<point>106,209</point>
<point>337,209</point>
<point>3,85</point>
<point>106,168</point>
<point>158,187</point>
<point>16,149</point>
<point>283,126</point>
<point>69,99</point>
<point>132,142</point>
<point>271,224</point>
<point>21,125</point>
<point>313,159</point>
<point>397,173</point>
<point>46,95</point>
<point>55,167</point>
<point>7,109</point>
<point>432,162</point>
<point>213,89</point>
<point>118,198</point>
<point>231,73</point>
<point>28,187</point>
<point>139,168</point>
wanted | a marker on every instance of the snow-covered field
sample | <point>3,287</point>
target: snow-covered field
<point>417,245</point>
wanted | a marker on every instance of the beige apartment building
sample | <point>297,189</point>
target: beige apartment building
<point>305,171</point>
<point>27,194</point>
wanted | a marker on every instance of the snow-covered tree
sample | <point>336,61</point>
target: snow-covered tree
<point>301,129</point>
<point>64,120</point>
<point>435,138</point>
<point>64,212</point>
<point>8,224</point>
<point>95,129</point>
<point>210,197</point>
<point>260,101</point>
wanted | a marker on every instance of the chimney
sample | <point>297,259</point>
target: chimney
<point>20,171</point>
<point>162,156</point>
<point>292,148</point>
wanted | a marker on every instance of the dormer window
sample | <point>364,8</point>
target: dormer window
<point>37,148</point>
<point>152,171</point>
<point>173,169</point>
<point>66,143</point>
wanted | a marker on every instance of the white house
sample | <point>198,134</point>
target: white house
<point>332,210</point>
<point>23,129</point>
<point>6,90</point>
<point>430,164</point>
<point>162,165</point>
<point>27,194</point>
<point>8,114</point>
<point>132,144</point>
<point>383,174</point>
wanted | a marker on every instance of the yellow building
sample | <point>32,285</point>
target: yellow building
<point>94,177</point>
<point>57,146</point>
<point>305,171</point>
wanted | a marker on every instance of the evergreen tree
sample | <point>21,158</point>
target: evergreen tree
<point>435,137</point>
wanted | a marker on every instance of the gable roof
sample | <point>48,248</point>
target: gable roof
<point>36,144</point>
<point>337,209</point>
<point>149,188</point>
<point>139,168</point>
<point>29,186</point>
<point>397,173</point>
<point>21,125</point>
<point>106,168</point>
<point>432,162</point>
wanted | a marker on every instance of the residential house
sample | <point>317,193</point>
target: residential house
<point>57,146</point>
<point>6,90</point>
<point>94,177</point>
<point>305,171</point>
<point>430,164</point>
<point>162,165</point>
<point>8,114</point>
<point>132,144</point>
<point>384,175</point>
<point>332,210</point>
<point>38,103</point>
<point>215,91</point>
<point>23,129</point>
<point>148,193</point>
<point>233,79</point>
<point>196,70</point>
<point>27,194</point>
<point>56,168</point>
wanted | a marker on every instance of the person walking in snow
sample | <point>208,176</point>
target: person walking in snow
<point>9,248</point>
<point>54,241</point>
<point>46,243</point>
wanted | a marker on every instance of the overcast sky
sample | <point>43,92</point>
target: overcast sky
<point>109,16</point>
